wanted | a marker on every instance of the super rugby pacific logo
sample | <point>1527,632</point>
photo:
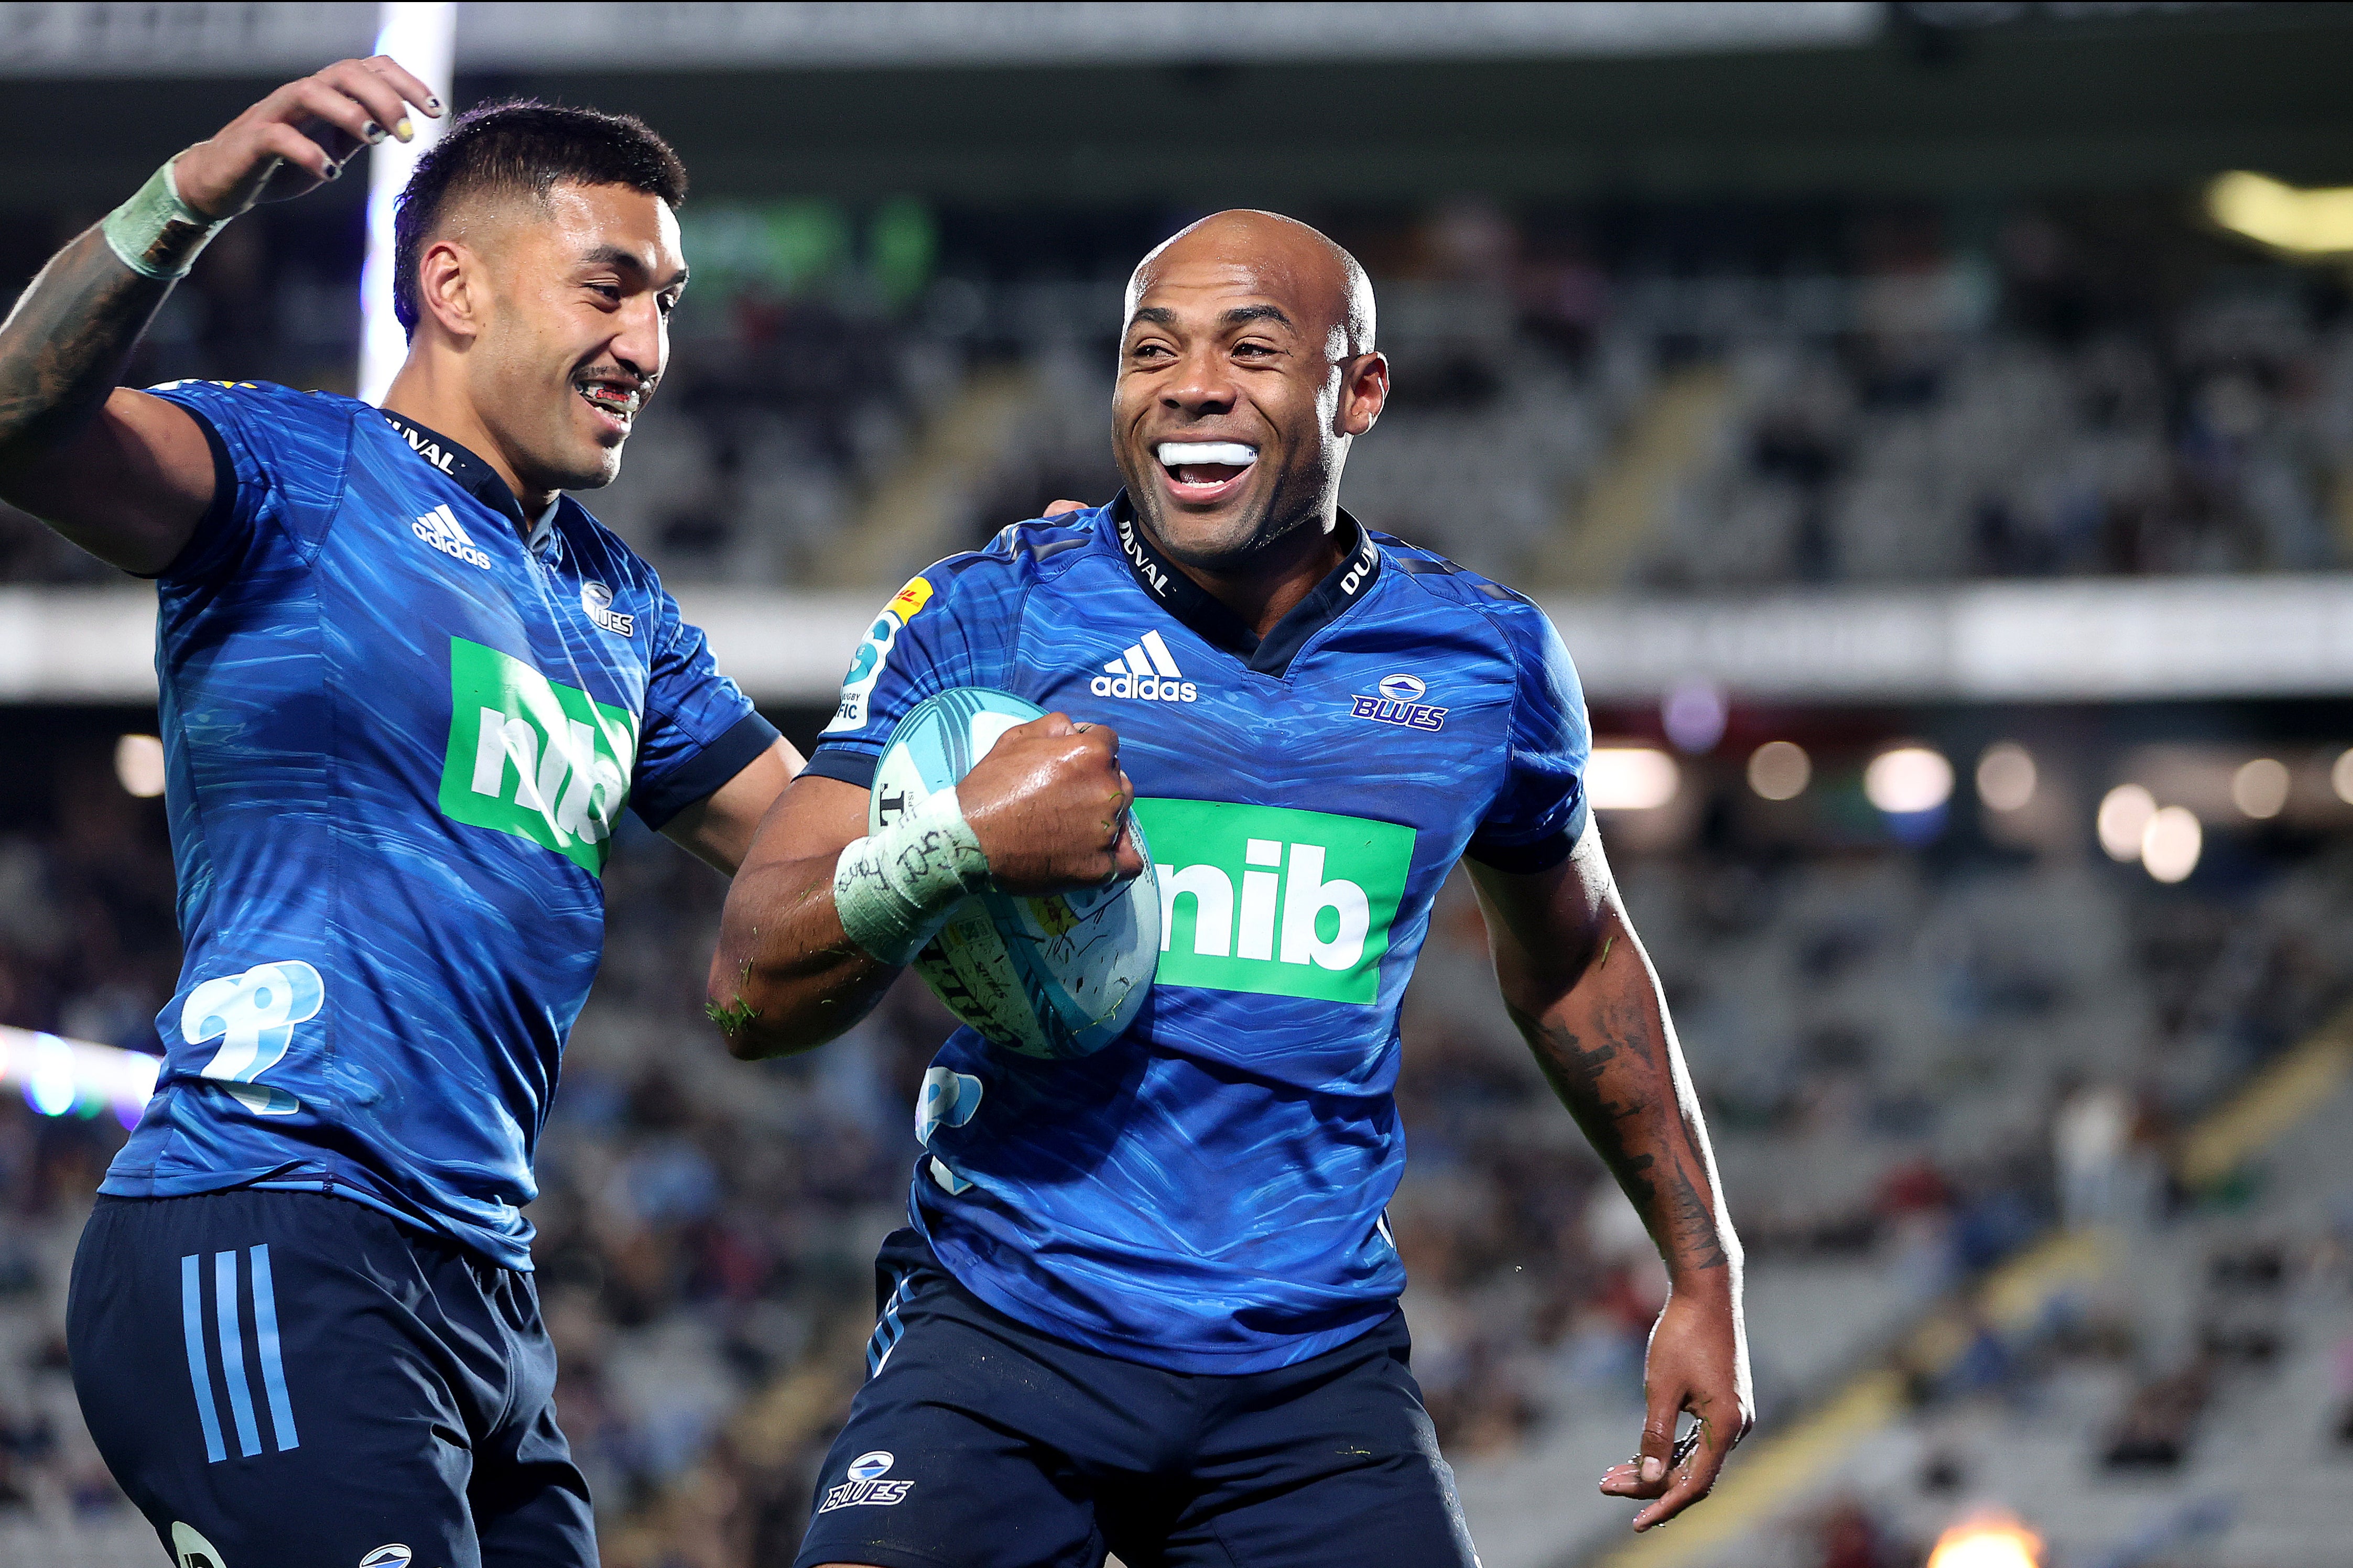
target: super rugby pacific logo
<point>866,1487</point>
<point>1399,702</point>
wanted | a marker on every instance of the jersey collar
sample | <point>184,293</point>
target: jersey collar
<point>475,477</point>
<point>1219,626</point>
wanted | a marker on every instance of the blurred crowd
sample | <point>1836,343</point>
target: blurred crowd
<point>1915,1060</point>
<point>1657,397</point>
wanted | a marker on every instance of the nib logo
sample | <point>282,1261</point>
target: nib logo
<point>1147,671</point>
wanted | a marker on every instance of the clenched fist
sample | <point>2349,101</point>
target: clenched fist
<point>1049,804</point>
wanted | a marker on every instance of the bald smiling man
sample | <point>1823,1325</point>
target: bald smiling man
<point>1147,1299</point>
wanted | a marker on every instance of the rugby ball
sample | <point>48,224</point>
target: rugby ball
<point>1053,977</point>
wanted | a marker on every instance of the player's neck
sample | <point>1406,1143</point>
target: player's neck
<point>1267,585</point>
<point>442,403</point>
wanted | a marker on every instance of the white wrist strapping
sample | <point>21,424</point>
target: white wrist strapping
<point>156,234</point>
<point>893,889</point>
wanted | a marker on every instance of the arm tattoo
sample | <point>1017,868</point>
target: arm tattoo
<point>1693,1224</point>
<point>64,346</point>
<point>1620,1092</point>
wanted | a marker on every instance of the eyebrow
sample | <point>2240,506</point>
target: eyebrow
<point>1162,316</point>
<point>616,255</point>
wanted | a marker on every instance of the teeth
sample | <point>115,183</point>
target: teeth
<point>1227,454</point>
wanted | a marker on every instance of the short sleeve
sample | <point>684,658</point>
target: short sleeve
<point>1540,812</point>
<point>927,639</point>
<point>279,461</point>
<point>700,730</point>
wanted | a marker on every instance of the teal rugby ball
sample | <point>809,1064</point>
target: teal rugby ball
<point>1052,977</point>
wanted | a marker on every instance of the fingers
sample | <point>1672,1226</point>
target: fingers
<point>1693,1480</point>
<point>1051,724</point>
<point>282,140</point>
<point>407,85</point>
<point>1064,509</point>
<point>1657,1452</point>
<point>1130,859</point>
<point>338,110</point>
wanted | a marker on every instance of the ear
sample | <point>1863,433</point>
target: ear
<point>1363,392</point>
<point>450,289</point>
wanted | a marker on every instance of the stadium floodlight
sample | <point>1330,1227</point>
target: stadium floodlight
<point>1908,780</point>
<point>423,37</point>
<point>1630,778</point>
<point>2170,844</point>
<point>2125,812</point>
<point>2300,222</point>
<point>138,765</point>
<point>1779,770</point>
<point>2260,788</point>
<point>2006,776</point>
<point>1989,1539</point>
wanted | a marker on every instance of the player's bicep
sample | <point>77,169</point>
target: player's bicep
<point>1546,927</point>
<point>815,819</point>
<point>130,488</point>
<point>718,828</point>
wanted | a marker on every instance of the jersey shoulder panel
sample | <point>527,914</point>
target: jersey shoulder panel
<point>958,622</point>
<point>1541,811</point>
<point>280,459</point>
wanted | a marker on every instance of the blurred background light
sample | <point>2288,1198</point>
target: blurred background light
<point>423,37</point>
<point>2006,776</point>
<point>138,765</point>
<point>49,1077</point>
<point>2125,812</point>
<point>1779,770</point>
<point>2170,842</point>
<point>2340,777</point>
<point>1694,716</point>
<point>1908,780</point>
<point>2260,788</point>
<point>1988,1540</point>
<point>1630,778</point>
<point>2306,223</point>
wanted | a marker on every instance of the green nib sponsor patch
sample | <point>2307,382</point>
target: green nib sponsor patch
<point>542,761</point>
<point>1279,902</point>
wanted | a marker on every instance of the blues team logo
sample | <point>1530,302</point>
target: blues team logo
<point>596,603</point>
<point>866,1486</point>
<point>1399,702</point>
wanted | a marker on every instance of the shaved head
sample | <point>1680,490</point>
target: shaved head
<point>1247,366</point>
<point>1317,270</point>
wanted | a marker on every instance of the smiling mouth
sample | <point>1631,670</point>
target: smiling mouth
<point>1203,470</point>
<point>619,404</point>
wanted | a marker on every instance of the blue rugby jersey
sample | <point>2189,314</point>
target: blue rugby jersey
<point>397,734</point>
<point>1206,1193</point>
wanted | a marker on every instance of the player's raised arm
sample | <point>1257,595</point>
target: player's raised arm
<point>1582,992</point>
<point>821,915</point>
<point>125,476</point>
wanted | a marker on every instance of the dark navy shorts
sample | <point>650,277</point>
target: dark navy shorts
<point>978,1442</point>
<point>287,1380</point>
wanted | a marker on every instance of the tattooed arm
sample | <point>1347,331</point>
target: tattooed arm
<point>125,476</point>
<point>1583,994</point>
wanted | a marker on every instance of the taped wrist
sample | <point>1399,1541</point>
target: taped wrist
<point>156,234</point>
<point>893,889</point>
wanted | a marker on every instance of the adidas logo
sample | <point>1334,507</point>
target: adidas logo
<point>1147,671</point>
<point>440,528</point>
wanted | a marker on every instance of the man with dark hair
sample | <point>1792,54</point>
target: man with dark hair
<point>408,685</point>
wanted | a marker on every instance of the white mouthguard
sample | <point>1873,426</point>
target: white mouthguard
<point>1227,454</point>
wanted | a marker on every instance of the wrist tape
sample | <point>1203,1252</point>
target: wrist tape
<point>155,234</point>
<point>893,889</point>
